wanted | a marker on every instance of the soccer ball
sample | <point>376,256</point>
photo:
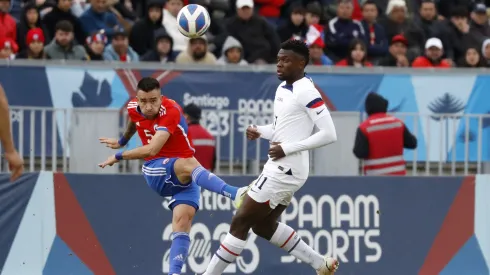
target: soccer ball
<point>193,20</point>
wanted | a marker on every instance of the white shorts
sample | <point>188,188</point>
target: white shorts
<point>274,188</point>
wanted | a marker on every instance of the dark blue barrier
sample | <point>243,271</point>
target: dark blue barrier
<point>116,225</point>
<point>69,87</point>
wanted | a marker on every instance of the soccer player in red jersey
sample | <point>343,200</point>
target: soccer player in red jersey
<point>170,168</point>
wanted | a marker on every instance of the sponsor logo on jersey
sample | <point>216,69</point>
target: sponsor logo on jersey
<point>165,161</point>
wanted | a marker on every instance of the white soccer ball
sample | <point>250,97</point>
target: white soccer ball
<point>193,20</point>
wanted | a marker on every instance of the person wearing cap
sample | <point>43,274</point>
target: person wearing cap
<point>202,140</point>
<point>397,53</point>
<point>35,45</point>
<point>479,21</point>
<point>8,48</point>
<point>119,49</point>
<point>259,39</point>
<point>30,19</point>
<point>433,55</point>
<point>95,45</point>
<point>63,45</point>
<point>381,138</point>
<point>196,53</point>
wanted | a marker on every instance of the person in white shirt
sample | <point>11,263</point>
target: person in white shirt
<point>298,107</point>
<point>169,21</point>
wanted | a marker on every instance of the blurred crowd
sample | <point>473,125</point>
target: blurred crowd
<point>360,33</point>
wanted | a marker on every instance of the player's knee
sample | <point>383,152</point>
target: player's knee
<point>264,229</point>
<point>182,218</point>
<point>183,168</point>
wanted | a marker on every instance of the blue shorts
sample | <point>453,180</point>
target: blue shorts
<point>160,176</point>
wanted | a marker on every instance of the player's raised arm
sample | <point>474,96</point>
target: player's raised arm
<point>15,161</point>
<point>319,114</point>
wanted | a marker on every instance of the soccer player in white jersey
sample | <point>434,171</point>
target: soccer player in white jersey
<point>298,107</point>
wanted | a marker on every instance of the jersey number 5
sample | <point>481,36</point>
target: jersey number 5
<point>148,135</point>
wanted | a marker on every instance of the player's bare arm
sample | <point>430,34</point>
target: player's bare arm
<point>151,149</point>
<point>117,144</point>
<point>16,164</point>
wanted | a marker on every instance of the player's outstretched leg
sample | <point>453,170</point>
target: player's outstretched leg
<point>190,169</point>
<point>181,225</point>
<point>286,238</point>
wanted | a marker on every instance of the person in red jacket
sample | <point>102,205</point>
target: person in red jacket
<point>203,141</point>
<point>8,25</point>
<point>380,140</point>
<point>433,55</point>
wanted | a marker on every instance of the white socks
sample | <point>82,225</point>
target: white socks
<point>229,250</point>
<point>286,238</point>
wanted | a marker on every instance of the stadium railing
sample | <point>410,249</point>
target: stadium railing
<point>452,147</point>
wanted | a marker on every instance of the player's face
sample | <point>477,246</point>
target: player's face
<point>149,102</point>
<point>289,65</point>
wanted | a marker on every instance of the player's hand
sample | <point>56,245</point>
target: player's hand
<point>16,164</point>
<point>110,142</point>
<point>252,133</point>
<point>109,162</point>
<point>276,152</point>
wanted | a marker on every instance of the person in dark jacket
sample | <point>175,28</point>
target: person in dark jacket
<point>341,30</point>
<point>30,19</point>
<point>61,12</point>
<point>162,50</point>
<point>375,36</point>
<point>376,104</point>
<point>431,26</point>
<point>472,59</point>
<point>397,53</point>
<point>460,37</point>
<point>141,36</point>
<point>295,26</point>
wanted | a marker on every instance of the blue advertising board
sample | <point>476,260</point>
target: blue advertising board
<point>252,92</point>
<point>93,224</point>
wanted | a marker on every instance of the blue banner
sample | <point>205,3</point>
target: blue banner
<point>250,92</point>
<point>92,224</point>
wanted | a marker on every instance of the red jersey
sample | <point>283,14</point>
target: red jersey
<point>170,119</point>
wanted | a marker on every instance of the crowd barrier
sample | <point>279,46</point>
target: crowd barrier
<point>100,224</point>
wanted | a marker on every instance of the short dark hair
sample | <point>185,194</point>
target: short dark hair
<point>148,84</point>
<point>370,2</point>
<point>459,11</point>
<point>64,25</point>
<point>193,111</point>
<point>298,47</point>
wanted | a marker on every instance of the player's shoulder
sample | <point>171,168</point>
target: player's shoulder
<point>170,107</point>
<point>305,86</point>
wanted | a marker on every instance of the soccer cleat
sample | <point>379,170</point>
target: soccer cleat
<point>331,265</point>
<point>240,195</point>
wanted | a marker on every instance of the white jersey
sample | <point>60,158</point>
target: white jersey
<point>296,108</point>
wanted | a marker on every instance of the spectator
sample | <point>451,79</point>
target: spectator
<point>30,19</point>
<point>342,30</point>
<point>141,37</point>
<point>8,24</point>
<point>382,158</point>
<point>62,12</point>
<point>460,37</point>
<point>429,23</point>
<point>295,26</point>
<point>35,45</point>
<point>202,140</point>
<point>232,52</point>
<point>472,59</point>
<point>397,53</point>
<point>376,41</point>
<point>119,49</point>
<point>357,57</point>
<point>197,53</point>
<point>95,45</point>
<point>259,40</point>
<point>162,49</point>
<point>172,8</point>
<point>485,50</point>
<point>8,48</point>
<point>397,23</point>
<point>316,44</point>
<point>433,55</point>
<point>313,13</point>
<point>63,45</point>
<point>479,26</point>
<point>100,16</point>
